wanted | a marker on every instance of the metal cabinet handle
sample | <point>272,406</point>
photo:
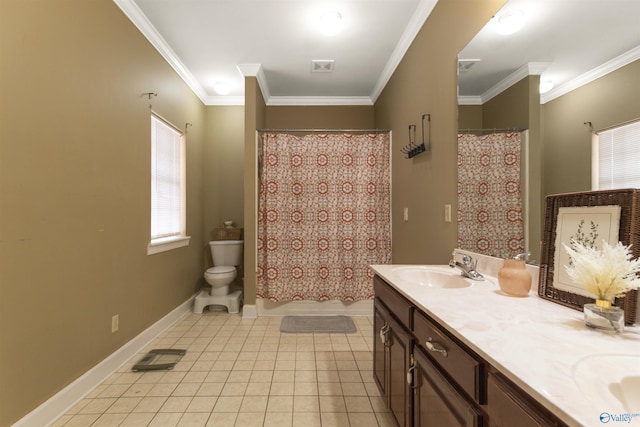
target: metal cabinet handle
<point>383,333</point>
<point>431,346</point>
<point>410,374</point>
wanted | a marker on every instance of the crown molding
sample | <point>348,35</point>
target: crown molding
<point>469,100</point>
<point>423,10</point>
<point>319,100</point>
<point>135,15</point>
<point>256,70</point>
<point>588,77</point>
<point>531,68</point>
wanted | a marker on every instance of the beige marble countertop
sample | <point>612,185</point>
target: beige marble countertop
<point>536,343</point>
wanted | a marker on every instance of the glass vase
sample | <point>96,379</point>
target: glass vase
<point>602,315</point>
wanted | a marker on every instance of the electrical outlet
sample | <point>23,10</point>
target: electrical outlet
<point>447,213</point>
<point>406,214</point>
<point>115,323</point>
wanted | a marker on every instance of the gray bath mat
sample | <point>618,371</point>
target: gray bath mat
<point>317,325</point>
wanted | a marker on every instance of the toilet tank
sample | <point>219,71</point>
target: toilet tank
<point>226,252</point>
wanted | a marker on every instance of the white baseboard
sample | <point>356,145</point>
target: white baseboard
<point>314,308</point>
<point>57,405</point>
<point>249,311</point>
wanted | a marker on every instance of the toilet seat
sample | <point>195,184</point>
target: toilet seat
<point>223,269</point>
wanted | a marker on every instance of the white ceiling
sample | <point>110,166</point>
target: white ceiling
<point>210,41</point>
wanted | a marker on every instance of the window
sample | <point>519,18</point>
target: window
<point>616,156</point>
<point>168,225</point>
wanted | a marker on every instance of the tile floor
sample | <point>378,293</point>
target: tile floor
<point>245,373</point>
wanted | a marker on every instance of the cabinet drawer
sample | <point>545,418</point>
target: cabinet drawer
<point>461,366</point>
<point>395,302</point>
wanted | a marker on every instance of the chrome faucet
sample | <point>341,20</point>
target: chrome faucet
<point>467,266</point>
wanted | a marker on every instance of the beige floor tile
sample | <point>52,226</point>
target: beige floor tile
<point>334,419</point>
<point>193,419</point>
<point>280,404</point>
<point>306,404</point>
<point>358,404</point>
<point>165,419</point>
<point>330,389</point>
<point>186,389</point>
<point>109,420</point>
<point>82,420</point>
<point>112,390</point>
<point>305,389</point>
<point>332,404</point>
<point>353,389</point>
<point>239,376</point>
<point>138,419</point>
<point>385,419</point>
<point>350,376</point>
<point>278,419</point>
<point>307,419</point>
<point>138,390</point>
<point>257,389</point>
<point>217,376</point>
<point>234,389</point>
<point>261,376</point>
<point>202,404</point>
<point>328,376</point>
<point>228,404</point>
<point>362,419</point>
<point>210,389</point>
<point>124,405</point>
<point>284,376</point>
<point>281,389</point>
<point>254,404</point>
<point>176,404</point>
<point>250,419</point>
<point>162,389</point>
<point>222,419</point>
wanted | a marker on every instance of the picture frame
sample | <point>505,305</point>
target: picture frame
<point>562,215</point>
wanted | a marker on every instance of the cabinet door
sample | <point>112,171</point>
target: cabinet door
<point>508,406</point>
<point>380,360</point>
<point>436,402</point>
<point>399,391</point>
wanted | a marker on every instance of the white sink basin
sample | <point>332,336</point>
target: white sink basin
<point>612,381</point>
<point>432,277</point>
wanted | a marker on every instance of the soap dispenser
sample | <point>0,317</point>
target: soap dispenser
<point>513,277</point>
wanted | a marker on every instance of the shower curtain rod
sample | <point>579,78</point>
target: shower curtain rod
<point>326,130</point>
<point>492,130</point>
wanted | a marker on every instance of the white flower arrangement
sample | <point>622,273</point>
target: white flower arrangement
<point>606,273</point>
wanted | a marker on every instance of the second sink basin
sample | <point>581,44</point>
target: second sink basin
<point>432,277</point>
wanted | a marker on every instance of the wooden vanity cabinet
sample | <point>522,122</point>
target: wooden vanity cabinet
<point>430,378</point>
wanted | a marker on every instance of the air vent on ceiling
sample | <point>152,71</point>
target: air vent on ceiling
<point>322,65</point>
<point>464,65</point>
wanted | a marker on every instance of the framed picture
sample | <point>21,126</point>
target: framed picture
<point>588,225</point>
<point>612,215</point>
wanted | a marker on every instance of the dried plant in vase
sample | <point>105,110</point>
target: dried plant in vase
<point>605,273</point>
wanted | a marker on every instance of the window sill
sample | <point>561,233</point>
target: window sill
<point>166,244</point>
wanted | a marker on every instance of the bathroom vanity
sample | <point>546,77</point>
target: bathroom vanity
<point>450,351</point>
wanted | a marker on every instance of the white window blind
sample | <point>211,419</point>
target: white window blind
<point>167,181</point>
<point>617,158</point>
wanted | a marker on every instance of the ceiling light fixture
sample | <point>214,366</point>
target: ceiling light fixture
<point>545,86</point>
<point>511,21</point>
<point>330,23</point>
<point>222,88</point>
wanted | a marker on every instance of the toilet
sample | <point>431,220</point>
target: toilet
<point>226,255</point>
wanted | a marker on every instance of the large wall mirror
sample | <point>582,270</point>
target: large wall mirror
<point>586,55</point>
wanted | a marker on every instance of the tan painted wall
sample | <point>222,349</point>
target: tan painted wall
<point>607,101</point>
<point>75,193</point>
<point>425,82</point>
<point>254,118</point>
<point>224,172</point>
<point>319,117</point>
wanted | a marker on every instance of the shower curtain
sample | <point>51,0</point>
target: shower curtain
<point>489,194</point>
<point>323,215</point>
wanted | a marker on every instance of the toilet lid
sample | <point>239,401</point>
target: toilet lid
<point>221,269</point>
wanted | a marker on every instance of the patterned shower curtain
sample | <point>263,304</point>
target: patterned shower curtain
<point>489,195</point>
<point>323,215</point>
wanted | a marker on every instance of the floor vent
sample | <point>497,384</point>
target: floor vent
<point>322,65</point>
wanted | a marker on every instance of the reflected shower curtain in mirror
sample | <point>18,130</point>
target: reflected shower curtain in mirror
<point>323,215</point>
<point>489,194</point>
